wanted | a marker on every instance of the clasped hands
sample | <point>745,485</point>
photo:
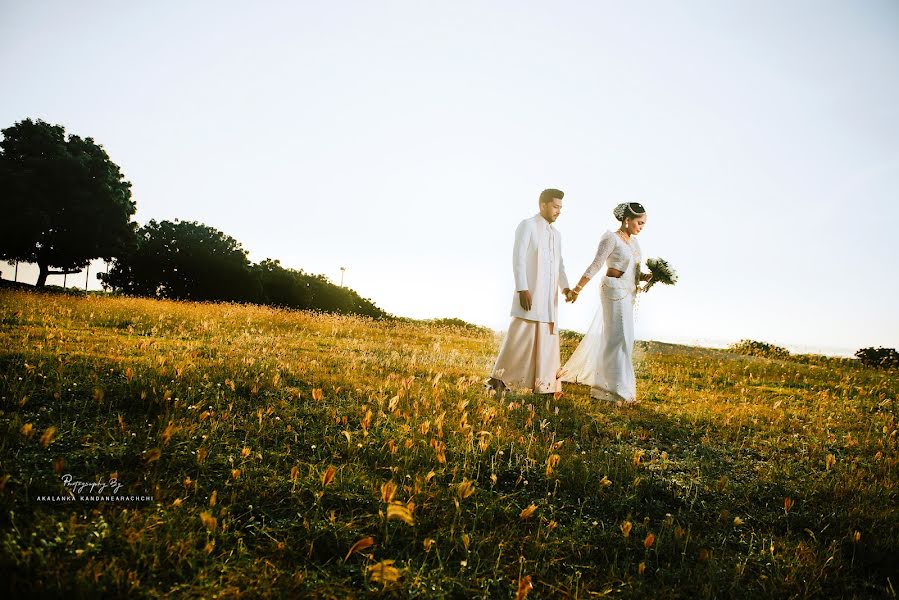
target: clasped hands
<point>524,296</point>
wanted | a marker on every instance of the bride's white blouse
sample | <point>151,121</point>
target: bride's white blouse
<point>616,251</point>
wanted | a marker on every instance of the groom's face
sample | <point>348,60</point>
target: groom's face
<point>551,210</point>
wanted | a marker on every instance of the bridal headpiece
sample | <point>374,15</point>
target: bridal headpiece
<point>628,209</point>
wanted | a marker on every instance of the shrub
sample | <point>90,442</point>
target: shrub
<point>457,323</point>
<point>754,348</point>
<point>883,358</point>
<point>569,335</point>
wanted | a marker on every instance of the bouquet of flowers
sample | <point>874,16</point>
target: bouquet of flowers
<point>661,271</point>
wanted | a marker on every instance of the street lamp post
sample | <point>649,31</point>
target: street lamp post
<point>342,270</point>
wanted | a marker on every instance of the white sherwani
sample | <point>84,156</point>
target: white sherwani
<point>529,356</point>
<point>538,267</point>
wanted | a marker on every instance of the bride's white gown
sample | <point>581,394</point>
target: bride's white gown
<point>604,358</point>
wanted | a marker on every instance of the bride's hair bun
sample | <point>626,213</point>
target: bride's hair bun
<point>627,210</point>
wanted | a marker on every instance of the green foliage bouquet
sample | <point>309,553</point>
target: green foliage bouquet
<point>661,271</point>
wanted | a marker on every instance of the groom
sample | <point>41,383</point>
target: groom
<point>530,355</point>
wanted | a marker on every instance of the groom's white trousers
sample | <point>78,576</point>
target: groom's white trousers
<point>530,357</point>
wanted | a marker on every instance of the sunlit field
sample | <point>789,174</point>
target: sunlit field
<point>294,454</point>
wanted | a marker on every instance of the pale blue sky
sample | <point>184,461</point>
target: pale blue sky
<point>406,140</point>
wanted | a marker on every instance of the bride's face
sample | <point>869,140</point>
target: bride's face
<point>635,226</point>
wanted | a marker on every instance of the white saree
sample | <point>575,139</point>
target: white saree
<point>604,358</point>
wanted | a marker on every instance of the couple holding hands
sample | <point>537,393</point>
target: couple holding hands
<point>530,353</point>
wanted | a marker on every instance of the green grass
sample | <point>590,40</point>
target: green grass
<point>754,477</point>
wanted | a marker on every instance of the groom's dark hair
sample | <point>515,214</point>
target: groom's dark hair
<point>548,195</point>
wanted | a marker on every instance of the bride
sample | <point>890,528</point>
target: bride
<point>604,358</point>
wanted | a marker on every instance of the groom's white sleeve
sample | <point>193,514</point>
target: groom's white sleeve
<point>563,278</point>
<point>520,257</point>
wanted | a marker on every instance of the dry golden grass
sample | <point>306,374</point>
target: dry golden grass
<point>295,453</point>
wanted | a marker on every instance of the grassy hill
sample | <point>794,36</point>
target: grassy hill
<point>275,442</point>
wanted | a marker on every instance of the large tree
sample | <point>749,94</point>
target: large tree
<point>63,201</point>
<point>184,260</point>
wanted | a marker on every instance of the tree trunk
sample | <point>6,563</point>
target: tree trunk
<point>45,271</point>
<point>42,274</point>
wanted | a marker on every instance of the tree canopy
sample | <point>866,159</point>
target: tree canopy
<point>297,289</point>
<point>64,202</point>
<point>184,260</point>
